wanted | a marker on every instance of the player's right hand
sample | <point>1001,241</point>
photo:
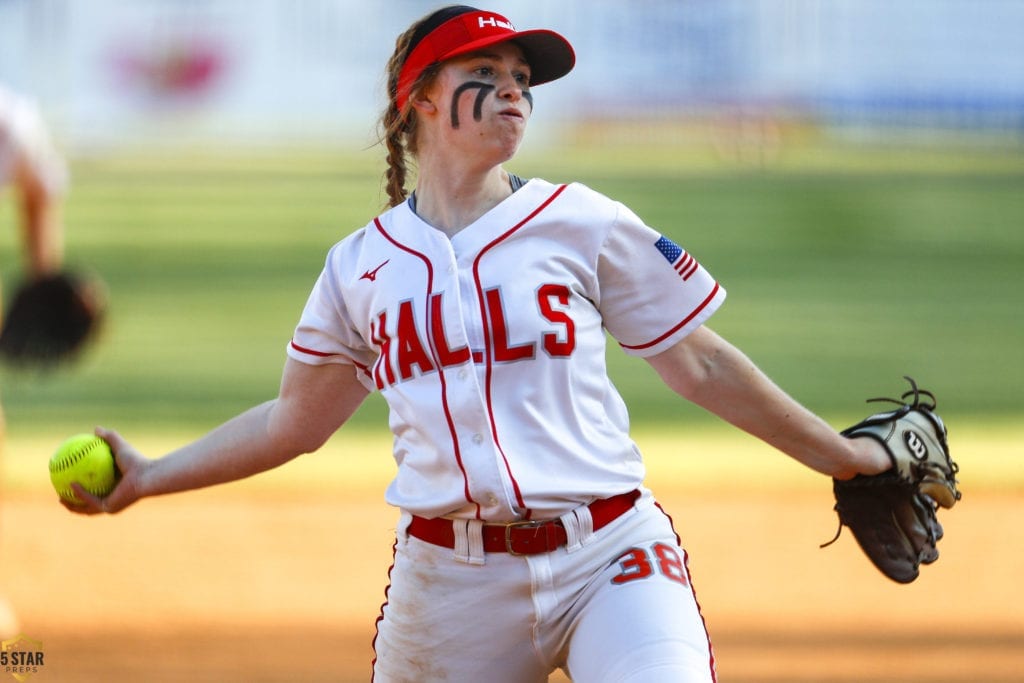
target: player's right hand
<point>130,466</point>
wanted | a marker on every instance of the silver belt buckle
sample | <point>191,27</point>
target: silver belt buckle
<point>508,533</point>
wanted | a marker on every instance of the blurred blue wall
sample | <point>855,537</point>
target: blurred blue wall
<point>113,72</point>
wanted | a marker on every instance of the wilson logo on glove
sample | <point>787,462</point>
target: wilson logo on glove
<point>916,445</point>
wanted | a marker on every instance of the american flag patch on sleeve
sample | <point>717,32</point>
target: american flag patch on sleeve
<point>683,263</point>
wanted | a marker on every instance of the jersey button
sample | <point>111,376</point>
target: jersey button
<point>478,439</point>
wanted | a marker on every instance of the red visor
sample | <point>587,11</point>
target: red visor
<point>550,55</point>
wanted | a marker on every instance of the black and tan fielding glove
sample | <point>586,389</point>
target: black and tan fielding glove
<point>892,514</point>
<point>50,319</point>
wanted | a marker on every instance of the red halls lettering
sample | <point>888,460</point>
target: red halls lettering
<point>379,336</point>
<point>503,353</point>
<point>555,346</point>
<point>409,351</point>
<point>446,355</point>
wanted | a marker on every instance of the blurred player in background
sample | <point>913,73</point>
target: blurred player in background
<point>34,177</point>
<point>478,305</point>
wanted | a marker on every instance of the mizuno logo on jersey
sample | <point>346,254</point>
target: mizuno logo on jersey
<point>683,263</point>
<point>371,275</point>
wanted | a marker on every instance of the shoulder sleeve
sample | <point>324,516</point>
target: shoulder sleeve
<point>25,144</point>
<point>653,292</point>
<point>326,332</point>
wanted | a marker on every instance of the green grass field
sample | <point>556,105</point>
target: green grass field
<point>843,276</point>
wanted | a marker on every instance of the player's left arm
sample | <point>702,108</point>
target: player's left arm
<point>41,215</point>
<point>706,369</point>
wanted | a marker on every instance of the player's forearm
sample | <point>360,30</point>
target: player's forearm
<point>712,373</point>
<point>772,416</point>
<point>739,393</point>
<point>240,448</point>
<point>43,230</point>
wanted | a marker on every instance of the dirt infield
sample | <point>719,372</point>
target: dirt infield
<point>245,585</point>
<point>280,578</point>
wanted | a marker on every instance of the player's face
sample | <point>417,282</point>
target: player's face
<point>483,101</point>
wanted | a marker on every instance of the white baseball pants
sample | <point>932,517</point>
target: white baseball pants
<point>614,606</point>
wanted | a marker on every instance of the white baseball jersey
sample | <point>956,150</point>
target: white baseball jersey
<point>489,347</point>
<point>23,134</point>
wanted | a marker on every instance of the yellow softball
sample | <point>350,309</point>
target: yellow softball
<point>87,460</point>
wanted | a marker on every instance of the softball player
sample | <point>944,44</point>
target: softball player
<point>477,305</point>
<point>37,176</point>
<point>37,173</point>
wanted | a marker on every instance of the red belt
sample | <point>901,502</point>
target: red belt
<point>522,537</point>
